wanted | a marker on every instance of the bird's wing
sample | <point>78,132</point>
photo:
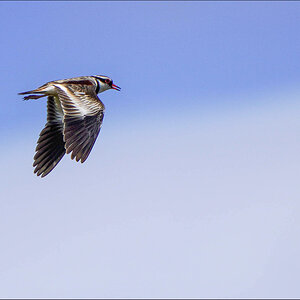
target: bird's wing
<point>83,116</point>
<point>50,145</point>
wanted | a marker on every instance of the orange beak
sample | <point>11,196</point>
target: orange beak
<point>115,87</point>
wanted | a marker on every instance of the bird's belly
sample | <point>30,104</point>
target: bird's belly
<point>50,90</point>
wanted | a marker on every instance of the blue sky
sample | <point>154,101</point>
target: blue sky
<point>191,189</point>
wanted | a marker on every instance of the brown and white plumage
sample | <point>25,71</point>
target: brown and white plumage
<point>74,119</point>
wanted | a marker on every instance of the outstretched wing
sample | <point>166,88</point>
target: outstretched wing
<point>50,145</point>
<point>83,116</point>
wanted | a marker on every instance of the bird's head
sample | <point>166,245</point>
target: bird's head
<point>105,83</point>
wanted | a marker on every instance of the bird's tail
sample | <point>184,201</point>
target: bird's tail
<point>31,96</point>
<point>25,93</point>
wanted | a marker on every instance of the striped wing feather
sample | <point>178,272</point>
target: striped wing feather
<point>83,116</point>
<point>50,145</point>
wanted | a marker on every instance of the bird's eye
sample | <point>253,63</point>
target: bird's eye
<point>107,81</point>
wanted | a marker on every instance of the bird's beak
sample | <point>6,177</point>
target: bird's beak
<point>115,87</point>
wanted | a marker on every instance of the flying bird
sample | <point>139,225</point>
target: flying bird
<point>74,118</point>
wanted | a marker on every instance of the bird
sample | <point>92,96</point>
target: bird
<point>74,118</point>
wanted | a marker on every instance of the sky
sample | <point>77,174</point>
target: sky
<point>192,187</point>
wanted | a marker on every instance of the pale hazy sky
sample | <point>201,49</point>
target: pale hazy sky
<point>192,188</point>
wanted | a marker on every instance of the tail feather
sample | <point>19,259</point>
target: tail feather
<point>31,96</point>
<point>25,93</point>
<point>30,92</point>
